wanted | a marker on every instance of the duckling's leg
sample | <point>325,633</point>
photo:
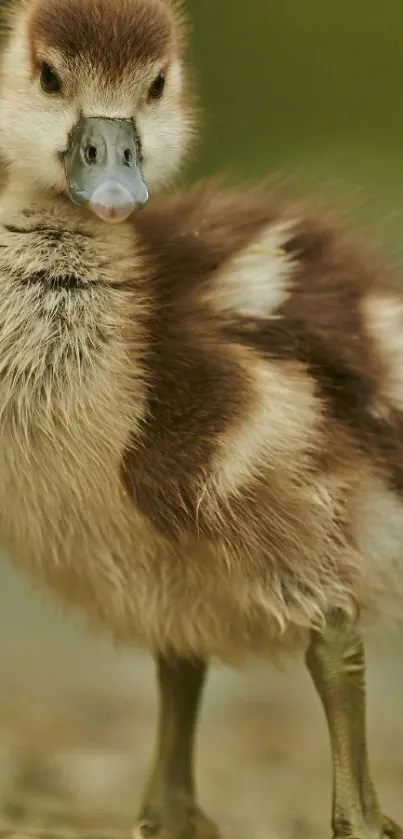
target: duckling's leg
<point>169,810</point>
<point>336,662</point>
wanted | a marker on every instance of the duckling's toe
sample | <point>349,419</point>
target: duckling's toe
<point>391,830</point>
<point>190,825</point>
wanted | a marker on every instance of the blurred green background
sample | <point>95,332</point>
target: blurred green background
<point>309,91</point>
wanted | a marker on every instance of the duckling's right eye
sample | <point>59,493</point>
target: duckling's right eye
<point>50,82</point>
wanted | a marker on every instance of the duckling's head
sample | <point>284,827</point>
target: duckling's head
<point>94,100</point>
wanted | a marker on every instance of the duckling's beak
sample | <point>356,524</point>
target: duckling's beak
<point>102,167</point>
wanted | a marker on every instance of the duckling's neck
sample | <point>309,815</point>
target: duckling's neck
<point>68,297</point>
<point>18,196</point>
<point>20,199</point>
<point>54,231</point>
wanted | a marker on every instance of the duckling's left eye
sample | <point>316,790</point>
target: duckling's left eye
<point>50,81</point>
<point>157,87</point>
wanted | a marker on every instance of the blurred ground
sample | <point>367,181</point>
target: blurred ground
<point>77,725</point>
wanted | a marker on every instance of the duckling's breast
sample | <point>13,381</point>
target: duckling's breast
<point>70,396</point>
<point>70,399</point>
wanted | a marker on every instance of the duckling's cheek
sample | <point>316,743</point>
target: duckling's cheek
<point>33,135</point>
<point>166,133</point>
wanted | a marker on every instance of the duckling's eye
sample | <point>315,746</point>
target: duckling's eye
<point>157,87</point>
<point>50,81</point>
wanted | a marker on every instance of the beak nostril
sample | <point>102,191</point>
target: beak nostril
<point>128,157</point>
<point>91,154</point>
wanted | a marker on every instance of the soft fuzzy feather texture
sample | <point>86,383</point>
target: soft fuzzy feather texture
<point>201,436</point>
<point>195,477</point>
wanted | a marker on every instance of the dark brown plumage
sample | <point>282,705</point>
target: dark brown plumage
<point>137,31</point>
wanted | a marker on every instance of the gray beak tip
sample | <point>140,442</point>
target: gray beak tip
<point>112,201</point>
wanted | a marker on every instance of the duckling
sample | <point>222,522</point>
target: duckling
<point>201,413</point>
